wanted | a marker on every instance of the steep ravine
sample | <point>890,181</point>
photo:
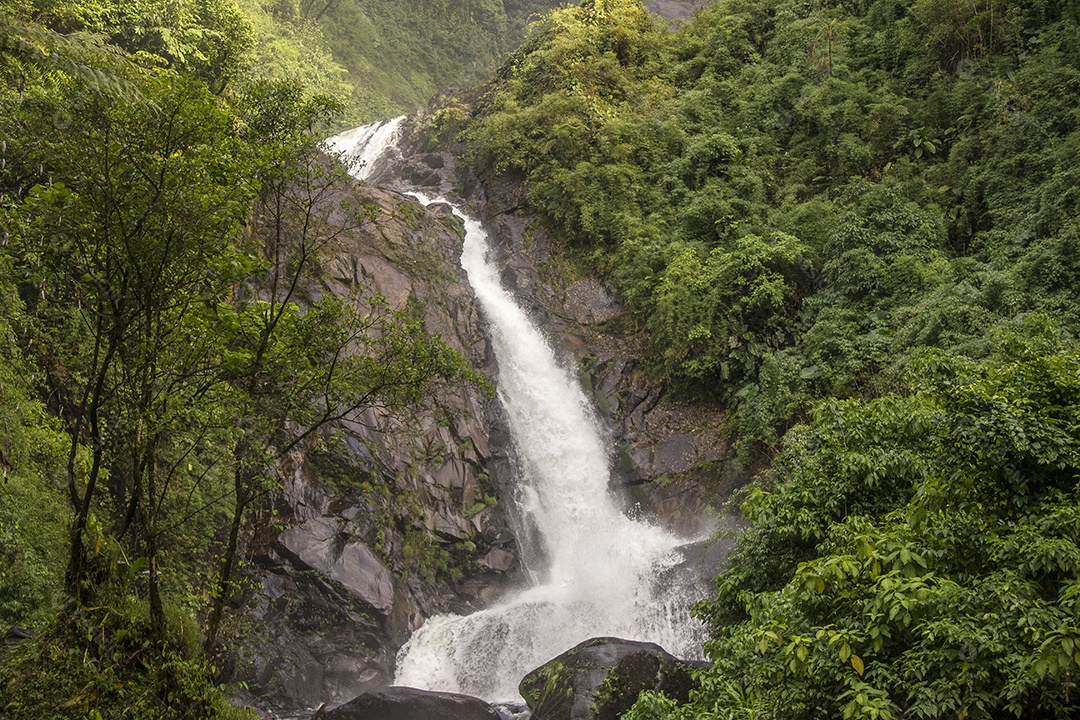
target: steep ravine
<point>670,457</point>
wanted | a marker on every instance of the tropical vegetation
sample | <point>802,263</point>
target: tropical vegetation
<point>854,224</point>
<point>380,57</point>
<point>164,209</point>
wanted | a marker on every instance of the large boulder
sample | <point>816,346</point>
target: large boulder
<point>318,544</point>
<point>405,703</point>
<point>601,678</point>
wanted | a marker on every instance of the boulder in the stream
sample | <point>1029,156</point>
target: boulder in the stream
<point>406,703</point>
<point>601,678</point>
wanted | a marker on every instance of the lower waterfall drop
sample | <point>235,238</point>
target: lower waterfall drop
<point>604,575</point>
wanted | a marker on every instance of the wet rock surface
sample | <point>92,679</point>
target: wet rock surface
<point>601,678</point>
<point>317,545</point>
<point>404,703</point>
<point>399,517</point>
<point>671,460</point>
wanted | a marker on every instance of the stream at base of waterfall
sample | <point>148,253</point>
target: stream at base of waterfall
<point>602,573</point>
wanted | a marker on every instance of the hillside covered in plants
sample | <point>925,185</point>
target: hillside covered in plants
<point>384,58</point>
<point>854,224</point>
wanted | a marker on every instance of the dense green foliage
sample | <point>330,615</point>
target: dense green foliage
<point>911,556</point>
<point>859,189</point>
<point>854,223</point>
<point>163,212</point>
<point>31,455</point>
<point>378,58</point>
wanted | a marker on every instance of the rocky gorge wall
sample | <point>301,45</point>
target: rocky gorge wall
<point>394,516</point>
<point>669,457</point>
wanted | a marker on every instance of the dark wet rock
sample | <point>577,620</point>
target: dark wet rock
<point>674,454</point>
<point>699,560</point>
<point>590,303</point>
<point>308,641</point>
<point>513,711</point>
<point>16,634</point>
<point>434,161</point>
<point>404,703</point>
<point>498,559</point>
<point>601,678</point>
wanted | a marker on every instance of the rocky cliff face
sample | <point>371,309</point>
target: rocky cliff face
<point>674,10</point>
<point>393,517</point>
<point>670,458</point>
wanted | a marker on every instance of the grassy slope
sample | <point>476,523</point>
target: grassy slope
<point>383,58</point>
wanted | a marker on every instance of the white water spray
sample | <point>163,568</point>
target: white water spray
<point>601,568</point>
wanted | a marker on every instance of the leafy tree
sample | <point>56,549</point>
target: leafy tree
<point>139,241</point>
<point>206,39</point>
<point>307,367</point>
<point>715,319</point>
<point>100,220</point>
<point>166,246</point>
<point>31,458</point>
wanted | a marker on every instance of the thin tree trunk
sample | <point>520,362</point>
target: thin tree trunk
<point>228,561</point>
<point>157,607</point>
<point>78,563</point>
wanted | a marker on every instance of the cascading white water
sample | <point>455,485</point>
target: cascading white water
<point>361,147</point>
<point>601,568</point>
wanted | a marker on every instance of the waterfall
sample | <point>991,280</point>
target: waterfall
<point>361,148</point>
<point>602,570</point>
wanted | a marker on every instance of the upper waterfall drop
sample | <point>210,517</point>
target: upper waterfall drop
<point>602,570</point>
<point>361,148</point>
